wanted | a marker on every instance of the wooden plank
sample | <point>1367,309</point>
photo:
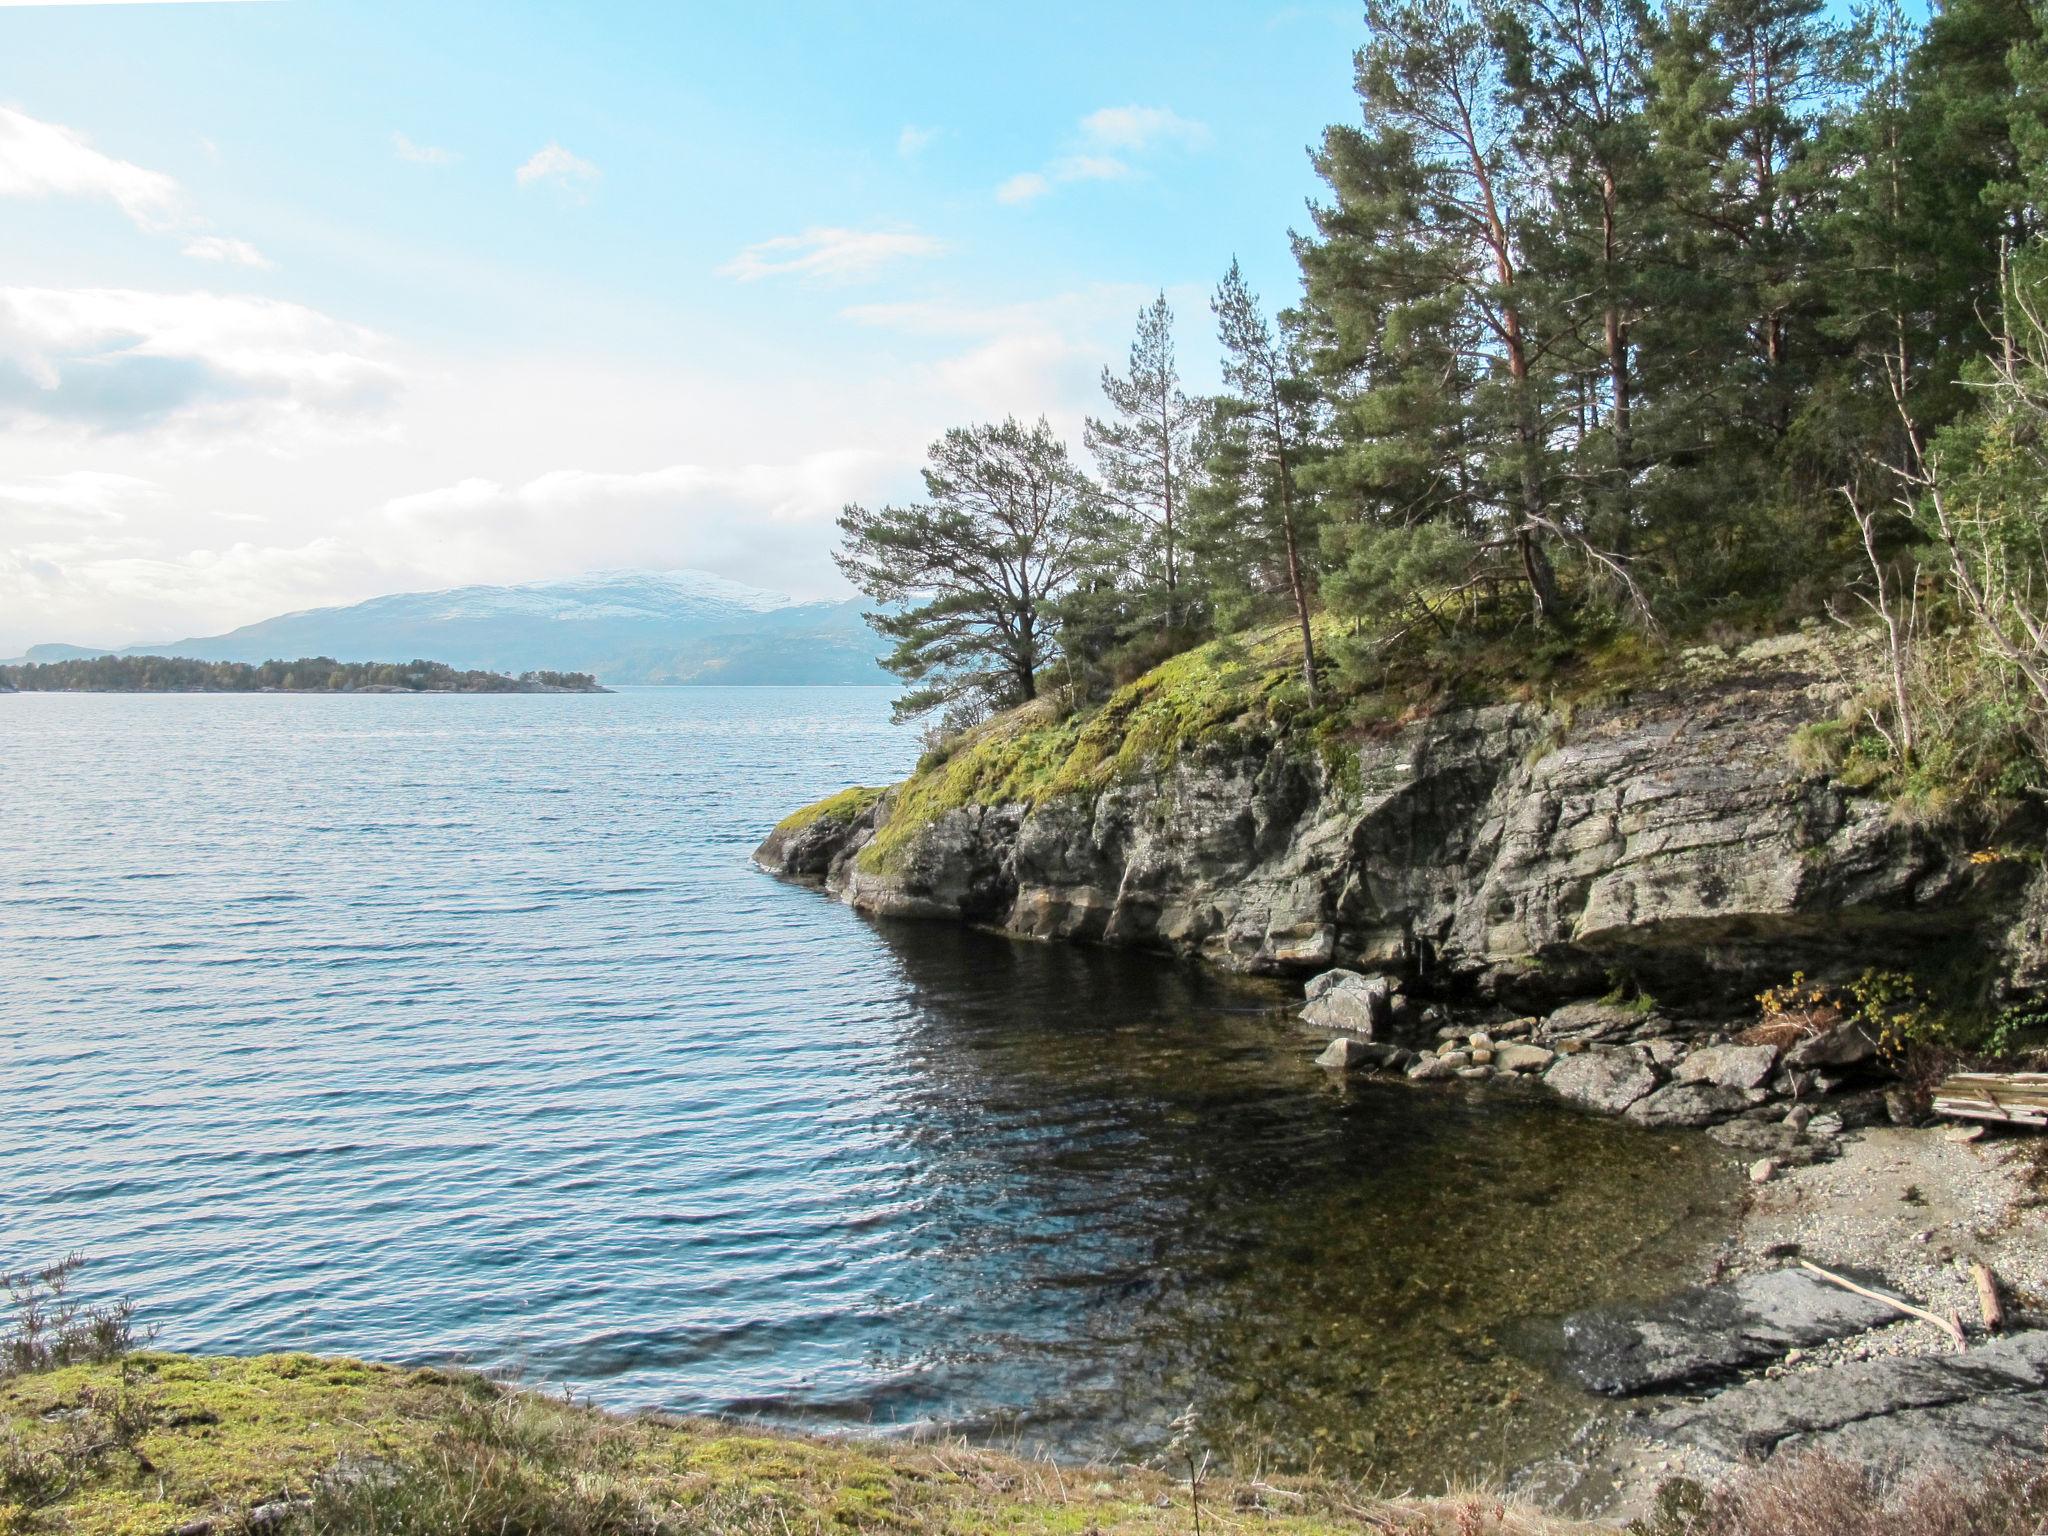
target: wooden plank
<point>2005,1098</point>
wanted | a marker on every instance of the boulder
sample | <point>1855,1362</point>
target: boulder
<point>1590,1022</point>
<point>1679,1104</point>
<point>1711,1333</point>
<point>1348,1056</point>
<point>1319,984</point>
<point>1729,1066</point>
<point>1357,1005</point>
<point>1605,1081</point>
<point>1522,1058</point>
<point>1846,1045</point>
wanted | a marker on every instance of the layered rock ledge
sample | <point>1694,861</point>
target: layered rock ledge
<point>1518,852</point>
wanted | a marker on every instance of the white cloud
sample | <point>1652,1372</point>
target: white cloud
<point>425,154</point>
<point>1140,128</point>
<point>39,159</point>
<point>913,140</point>
<point>80,498</point>
<point>1128,130</point>
<point>839,255</point>
<point>1040,357</point>
<point>1025,187</point>
<point>1089,168</point>
<point>558,167</point>
<point>766,524</point>
<point>72,588</point>
<point>197,365</point>
<point>224,248</point>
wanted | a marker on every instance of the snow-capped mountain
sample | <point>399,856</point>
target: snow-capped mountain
<point>624,626</point>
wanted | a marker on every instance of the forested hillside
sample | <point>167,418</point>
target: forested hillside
<point>310,674</point>
<point>1620,328</point>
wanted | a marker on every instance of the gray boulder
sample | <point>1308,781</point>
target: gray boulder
<point>1846,1045</point>
<point>1590,1022</point>
<point>1711,1333</point>
<point>1522,1058</point>
<point>1728,1066</point>
<point>1607,1082</point>
<point>1348,1056</point>
<point>1355,1004</point>
<point>1689,1104</point>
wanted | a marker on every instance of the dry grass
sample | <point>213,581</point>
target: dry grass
<point>1820,1496</point>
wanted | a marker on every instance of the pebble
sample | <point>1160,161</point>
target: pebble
<point>1482,1056</point>
<point>1479,1040</point>
<point>1763,1170</point>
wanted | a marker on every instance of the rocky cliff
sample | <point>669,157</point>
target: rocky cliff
<point>1522,851</point>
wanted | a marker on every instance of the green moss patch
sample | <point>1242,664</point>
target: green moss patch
<point>848,805</point>
<point>353,1448</point>
<point>1228,690</point>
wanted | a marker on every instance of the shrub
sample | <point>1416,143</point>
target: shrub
<point>52,1328</point>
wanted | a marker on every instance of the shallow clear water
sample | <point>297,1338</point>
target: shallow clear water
<point>462,1028</point>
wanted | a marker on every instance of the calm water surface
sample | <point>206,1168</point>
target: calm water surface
<point>462,1029</point>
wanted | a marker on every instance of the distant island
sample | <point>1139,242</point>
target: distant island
<point>309,674</point>
<point>634,627</point>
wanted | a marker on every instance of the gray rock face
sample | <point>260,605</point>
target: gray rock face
<point>1606,1082</point>
<point>1500,846</point>
<point>1707,1335</point>
<point>1966,1409</point>
<point>1692,1104</point>
<point>1728,1066</point>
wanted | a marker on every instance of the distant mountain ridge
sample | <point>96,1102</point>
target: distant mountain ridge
<point>629,627</point>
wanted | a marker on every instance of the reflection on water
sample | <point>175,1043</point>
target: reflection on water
<point>1152,1198</point>
<point>461,1028</point>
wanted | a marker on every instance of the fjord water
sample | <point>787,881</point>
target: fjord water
<point>461,1028</point>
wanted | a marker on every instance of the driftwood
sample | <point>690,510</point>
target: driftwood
<point>1987,1295</point>
<point>2008,1098</point>
<point>1947,1325</point>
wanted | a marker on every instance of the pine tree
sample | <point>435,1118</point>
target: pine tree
<point>1424,228</point>
<point>1144,454</point>
<point>1575,68</point>
<point>974,573</point>
<point>1259,519</point>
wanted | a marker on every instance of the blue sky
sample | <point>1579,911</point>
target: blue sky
<point>305,300</point>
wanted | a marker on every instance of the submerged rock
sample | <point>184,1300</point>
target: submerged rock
<point>1707,1335</point>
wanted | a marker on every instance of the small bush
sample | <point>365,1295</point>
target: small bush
<point>51,1328</point>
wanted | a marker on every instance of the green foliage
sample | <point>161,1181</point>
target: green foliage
<point>971,577</point>
<point>309,674</point>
